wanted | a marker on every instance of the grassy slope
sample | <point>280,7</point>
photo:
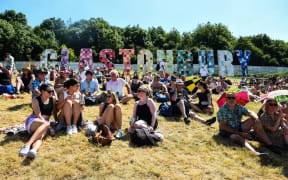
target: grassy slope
<point>193,151</point>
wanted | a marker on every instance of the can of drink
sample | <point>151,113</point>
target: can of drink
<point>82,99</point>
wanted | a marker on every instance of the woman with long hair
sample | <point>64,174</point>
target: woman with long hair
<point>205,99</point>
<point>38,122</point>
<point>110,113</point>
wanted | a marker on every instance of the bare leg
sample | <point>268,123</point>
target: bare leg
<point>196,108</point>
<point>239,140</point>
<point>67,110</point>
<point>117,123</point>
<point>39,127</point>
<point>36,145</point>
<point>126,98</point>
<point>76,109</point>
<point>196,117</point>
<point>181,106</point>
<point>108,115</point>
<point>19,84</point>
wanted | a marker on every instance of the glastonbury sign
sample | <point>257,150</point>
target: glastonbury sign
<point>145,60</point>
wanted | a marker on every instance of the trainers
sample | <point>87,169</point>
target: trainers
<point>31,154</point>
<point>119,134</point>
<point>210,121</point>
<point>69,130</point>
<point>187,121</point>
<point>24,151</point>
<point>74,129</point>
<point>274,149</point>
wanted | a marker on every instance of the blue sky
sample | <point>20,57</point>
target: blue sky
<point>242,17</point>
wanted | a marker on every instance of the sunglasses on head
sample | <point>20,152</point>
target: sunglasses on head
<point>108,96</point>
<point>273,104</point>
<point>231,97</point>
<point>140,90</point>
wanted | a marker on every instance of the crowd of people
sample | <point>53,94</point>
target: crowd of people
<point>63,94</point>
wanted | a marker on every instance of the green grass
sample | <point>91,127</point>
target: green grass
<point>188,152</point>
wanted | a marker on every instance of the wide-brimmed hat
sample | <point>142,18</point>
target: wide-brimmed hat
<point>27,69</point>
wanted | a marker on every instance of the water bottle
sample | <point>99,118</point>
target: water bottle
<point>82,99</point>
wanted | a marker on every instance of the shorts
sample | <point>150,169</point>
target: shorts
<point>227,134</point>
<point>29,121</point>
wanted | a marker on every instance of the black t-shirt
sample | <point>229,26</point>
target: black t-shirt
<point>5,78</point>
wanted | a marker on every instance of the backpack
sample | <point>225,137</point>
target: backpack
<point>142,137</point>
<point>7,89</point>
<point>157,66</point>
<point>103,135</point>
<point>165,109</point>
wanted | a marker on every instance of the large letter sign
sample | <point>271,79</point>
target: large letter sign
<point>225,60</point>
<point>243,60</point>
<point>103,58</point>
<point>64,59</point>
<point>44,57</point>
<point>210,60</point>
<point>126,60</point>
<point>86,59</point>
<point>144,66</point>
<point>184,63</point>
<point>169,57</point>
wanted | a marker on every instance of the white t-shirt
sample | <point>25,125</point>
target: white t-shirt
<point>203,72</point>
<point>116,86</point>
<point>162,63</point>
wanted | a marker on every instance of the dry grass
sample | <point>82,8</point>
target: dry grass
<point>188,152</point>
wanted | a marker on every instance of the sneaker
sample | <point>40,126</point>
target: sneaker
<point>69,130</point>
<point>24,151</point>
<point>210,121</point>
<point>31,154</point>
<point>119,134</point>
<point>74,129</point>
<point>187,121</point>
<point>274,149</point>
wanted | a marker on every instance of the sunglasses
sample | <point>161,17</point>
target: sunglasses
<point>231,98</point>
<point>108,96</point>
<point>275,105</point>
<point>49,91</point>
<point>141,91</point>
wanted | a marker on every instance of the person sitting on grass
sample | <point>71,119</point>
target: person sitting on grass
<point>229,117</point>
<point>116,85</point>
<point>144,111</point>
<point>274,123</point>
<point>69,104</point>
<point>180,105</point>
<point>38,123</point>
<point>40,79</point>
<point>205,100</point>
<point>135,83</point>
<point>90,87</point>
<point>24,80</point>
<point>110,113</point>
<point>159,89</point>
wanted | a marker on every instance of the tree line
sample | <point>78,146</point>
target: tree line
<point>26,43</point>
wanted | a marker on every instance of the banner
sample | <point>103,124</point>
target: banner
<point>86,59</point>
<point>44,57</point>
<point>225,60</point>
<point>184,63</point>
<point>105,56</point>
<point>169,60</point>
<point>243,60</point>
<point>64,59</point>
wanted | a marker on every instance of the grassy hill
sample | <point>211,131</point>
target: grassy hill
<point>188,152</point>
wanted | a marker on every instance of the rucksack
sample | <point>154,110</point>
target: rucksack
<point>142,137</point>
<point>103,135</point>
<point>7,89</point>
<point>165,109</point>
<point>158,67</point>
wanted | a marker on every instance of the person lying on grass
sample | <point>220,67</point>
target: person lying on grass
<point>110,113</point>
<point>38,123</point>
<point>181,106</point>
<point>144,112</point>
<point>229,117</point>
<point>69,104</point>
